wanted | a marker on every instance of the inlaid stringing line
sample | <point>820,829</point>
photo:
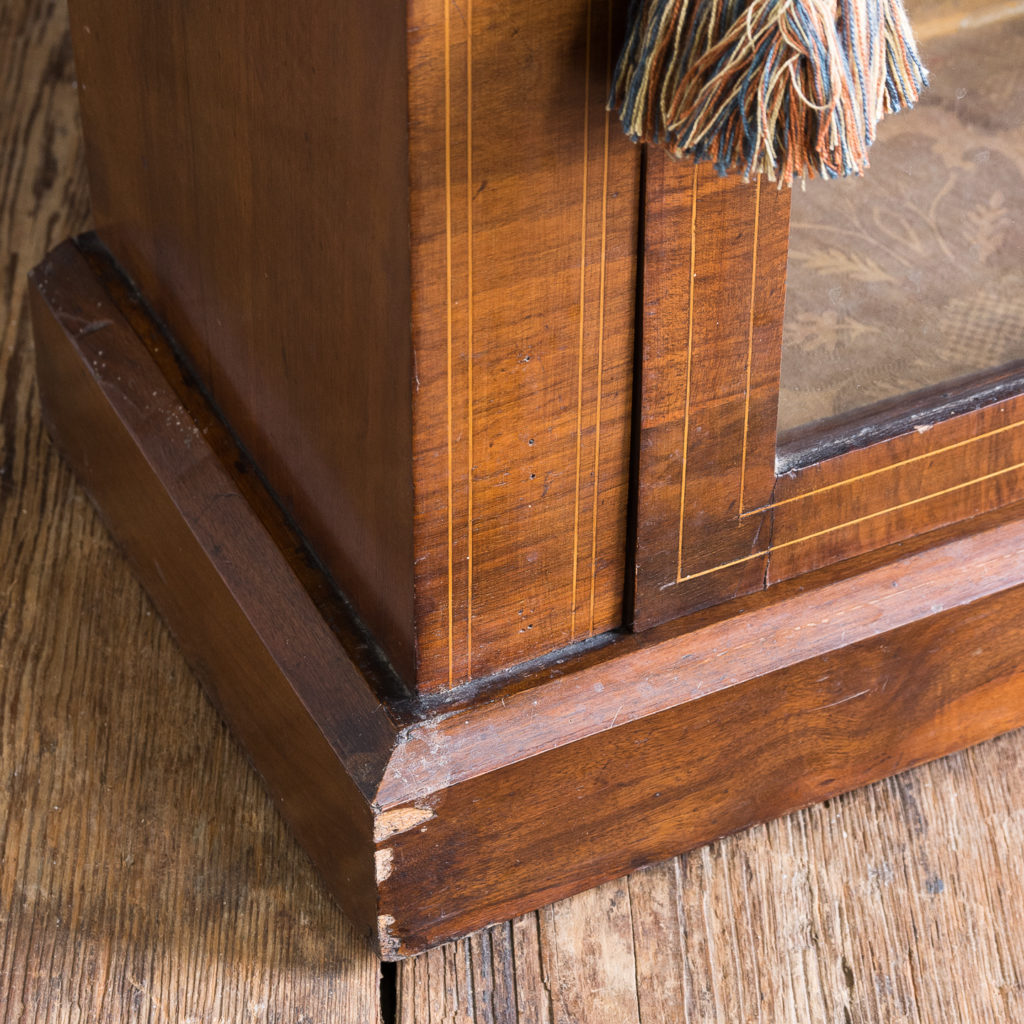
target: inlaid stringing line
<point>448,276</point>
<point>582,331</point>
<point>750,341</point>
<point>885,469</point>
<point>854,522</point>
<point>469,332</point>
<point>600,330</point>
<point>689,354</point>
<point>744,513</point>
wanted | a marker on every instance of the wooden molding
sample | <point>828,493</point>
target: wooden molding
<point>714,291</point>
<point>719,515</point>
<point>431,818</point>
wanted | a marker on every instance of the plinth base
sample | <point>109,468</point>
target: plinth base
<point>431,819</point>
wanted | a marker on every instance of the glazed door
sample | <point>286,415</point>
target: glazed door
<point>883,397</point>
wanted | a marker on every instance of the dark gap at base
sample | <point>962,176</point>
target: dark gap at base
<point>388,992</point>
<point>636,409</point>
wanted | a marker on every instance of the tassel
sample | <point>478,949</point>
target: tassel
<point>785,88</point>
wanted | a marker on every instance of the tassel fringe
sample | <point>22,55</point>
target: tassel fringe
<point>785,88</point>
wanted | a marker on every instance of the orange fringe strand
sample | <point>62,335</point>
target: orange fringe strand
<point>785,88</point>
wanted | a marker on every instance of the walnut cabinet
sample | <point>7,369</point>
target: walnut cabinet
<point>441,423</point>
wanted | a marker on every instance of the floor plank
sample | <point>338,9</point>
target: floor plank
<point>144,876</point>
<point>902,902</point>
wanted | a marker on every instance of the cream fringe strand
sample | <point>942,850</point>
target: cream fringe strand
<point>785,88</point>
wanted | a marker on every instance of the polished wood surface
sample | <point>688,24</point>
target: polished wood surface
<point>413,302</point>
<point>448,421</point>
<point>713,295</point>
<point>725,507</point>
<point>226,180</point>
<point>900,902</point>
<point>642,675</point>
<point>642,787</point>
<point>428,823</point>
<point>924,477</point>
<point>524,204</point>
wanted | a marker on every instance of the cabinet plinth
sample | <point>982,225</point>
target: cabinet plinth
<point>440,423</point>
<point>431,820</point>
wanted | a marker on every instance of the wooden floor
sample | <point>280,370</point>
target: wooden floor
<point>144,876</point>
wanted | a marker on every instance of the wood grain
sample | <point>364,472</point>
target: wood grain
<point>409,293</point>
<point>920,479</point>
<point>144,873</point>
<point>714,289</point>
<point>273,666</point>
<point>719,515</point>
<point>228,182</point>
<point>524,216</point>
<point>900,902</point>
<point>635,792</point>
<point>640,676</point>
<point>426,824</point>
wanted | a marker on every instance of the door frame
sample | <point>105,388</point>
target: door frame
<point>719,512</point>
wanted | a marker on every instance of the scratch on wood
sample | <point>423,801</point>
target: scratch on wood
<point>843,700</point>
<point>79,326</point>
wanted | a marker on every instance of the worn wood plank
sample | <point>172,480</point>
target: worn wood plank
<point>900,902</point>
<point>144,873</point>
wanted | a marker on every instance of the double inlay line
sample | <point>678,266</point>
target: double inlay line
<point>750,341</point>
<point>581,341</point>
<point>744,513</point>
<point>689,366</point>
<point>469,337</point>
<point>600,326</point>
<point>853,522</point>
<point>582,331</point>
<point>889,468</point>
<point>448,278</point>
<point>450,331</point>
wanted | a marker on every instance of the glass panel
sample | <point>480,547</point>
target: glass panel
<point>914,275</point>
